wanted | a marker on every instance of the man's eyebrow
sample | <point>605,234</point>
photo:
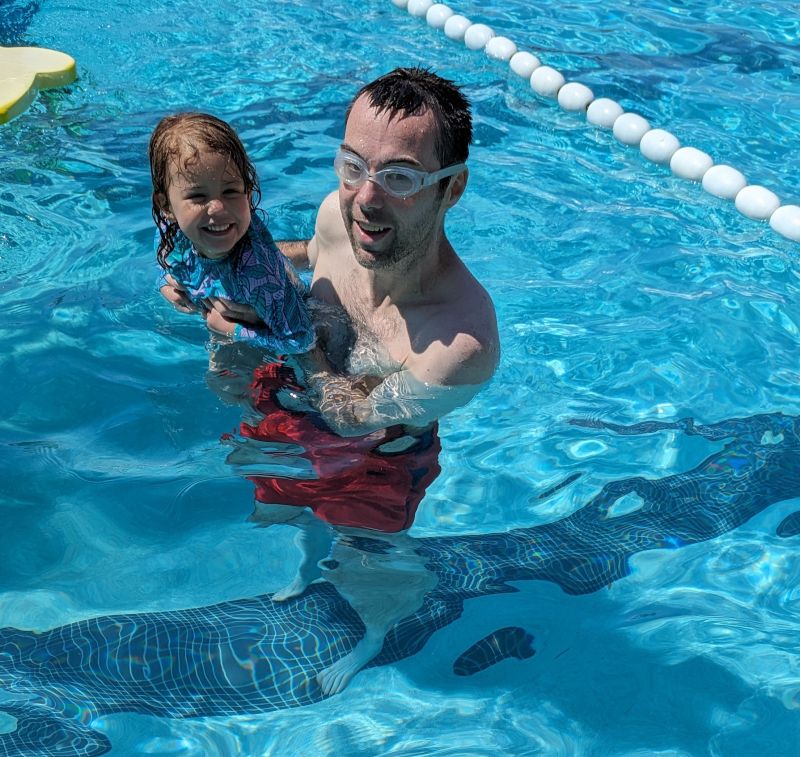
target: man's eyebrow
<point>390,162</point>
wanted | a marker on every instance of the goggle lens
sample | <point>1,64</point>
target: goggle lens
<point>349,170</point>
<point>399,183</point>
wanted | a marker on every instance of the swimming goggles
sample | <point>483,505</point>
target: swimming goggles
<point>397,181</point>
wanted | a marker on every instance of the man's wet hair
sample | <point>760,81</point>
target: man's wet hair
<point>414,91</point>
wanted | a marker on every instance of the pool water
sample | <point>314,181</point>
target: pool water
<point>624,295</point>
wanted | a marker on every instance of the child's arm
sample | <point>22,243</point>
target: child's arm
<point>169,287</point>
<point>235,312</point>
<point>217,322</point>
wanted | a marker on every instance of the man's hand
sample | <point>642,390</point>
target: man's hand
<point>173,292</point>
<point>343,401</point>
<point>312,363</point>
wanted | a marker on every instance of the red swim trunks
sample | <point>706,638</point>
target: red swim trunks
<point>357,484</point>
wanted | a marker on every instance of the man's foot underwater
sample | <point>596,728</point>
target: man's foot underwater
<point>335,678</point>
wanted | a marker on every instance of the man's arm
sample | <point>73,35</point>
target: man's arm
<point>359,405</point>
<point>304,253</point>
<point>356,405</point>
<point>297,252</point>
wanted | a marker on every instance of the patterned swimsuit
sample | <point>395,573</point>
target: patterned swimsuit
<point>258,277</point>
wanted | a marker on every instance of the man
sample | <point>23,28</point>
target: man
<point>425,334</point>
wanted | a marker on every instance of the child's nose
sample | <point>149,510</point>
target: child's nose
<point>215,206</point>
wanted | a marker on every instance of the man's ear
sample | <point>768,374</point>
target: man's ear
<point>458,185</point>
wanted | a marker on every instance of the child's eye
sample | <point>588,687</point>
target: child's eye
<point>233,191</point>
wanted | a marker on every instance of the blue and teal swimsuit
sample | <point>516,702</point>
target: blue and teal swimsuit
<point>256,276</point>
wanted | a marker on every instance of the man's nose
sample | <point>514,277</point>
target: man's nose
<point>370,194</point>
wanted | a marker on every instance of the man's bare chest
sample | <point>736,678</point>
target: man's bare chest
<point>379,333</point>
<point>381,341</point>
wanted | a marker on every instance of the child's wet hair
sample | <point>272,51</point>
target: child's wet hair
<point>179,138</point>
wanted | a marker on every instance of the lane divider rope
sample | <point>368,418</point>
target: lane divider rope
<point>656,145</point>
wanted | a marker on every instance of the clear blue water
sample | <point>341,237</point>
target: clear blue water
<point>623,294</point>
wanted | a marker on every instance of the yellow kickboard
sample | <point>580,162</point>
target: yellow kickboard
<point>26,70</point>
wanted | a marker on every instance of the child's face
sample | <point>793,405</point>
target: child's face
<point>206,198</point>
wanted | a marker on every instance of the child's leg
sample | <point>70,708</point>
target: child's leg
<point>230,369</point>
<point>264,515</point>
<point>313,540</point>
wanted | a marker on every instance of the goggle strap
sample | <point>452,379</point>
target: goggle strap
<point>443,173</point>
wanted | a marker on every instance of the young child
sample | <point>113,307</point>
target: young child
<point>219,258</point>
<point>217,255</point>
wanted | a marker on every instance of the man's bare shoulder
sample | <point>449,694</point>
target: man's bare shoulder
<point>330,235</point>
<point>458,342</point>
<point>466,302</point>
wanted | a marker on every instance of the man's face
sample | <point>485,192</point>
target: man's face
<point>385,230</point>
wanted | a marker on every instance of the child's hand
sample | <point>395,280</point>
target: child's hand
<point>174,293</point>
<point>234,311</point>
